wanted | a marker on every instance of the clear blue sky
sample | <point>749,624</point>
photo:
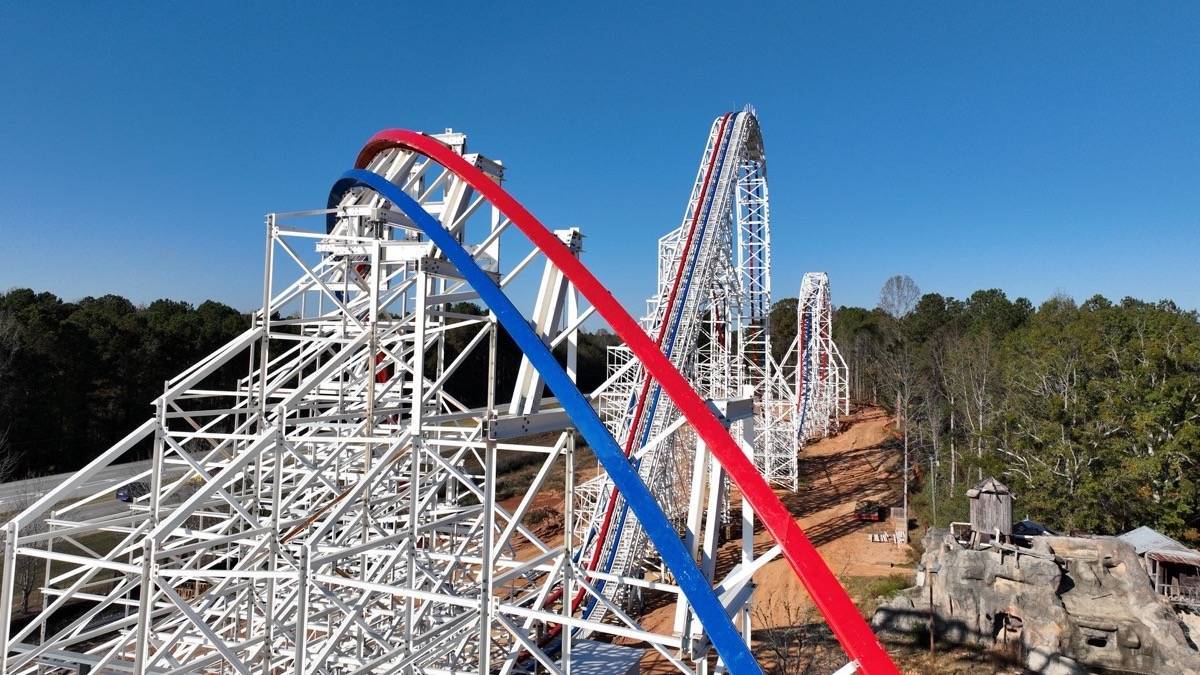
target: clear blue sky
<point>1025,146</point>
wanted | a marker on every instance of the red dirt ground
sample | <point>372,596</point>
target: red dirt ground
<point>835,473</point>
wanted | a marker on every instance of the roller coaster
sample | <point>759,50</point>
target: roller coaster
<point>320,502</point>
<point>822,382</point>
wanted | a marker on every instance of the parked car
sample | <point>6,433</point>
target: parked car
<point>870,511</point>
<point>129,492</point>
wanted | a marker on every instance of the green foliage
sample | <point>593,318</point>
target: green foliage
<point>76,377</point>
<point>1100,422</point>
<point>886,587</point>
<point>859,334</point>
<point>992,312</point>
<point>933,311</point>
<point>945,507</point>
<point>79,375</point>
<point>783,326</point>
<point>1091,413</point>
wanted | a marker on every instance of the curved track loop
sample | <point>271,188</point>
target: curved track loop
<point>827,593</point>
<point>725,637</point>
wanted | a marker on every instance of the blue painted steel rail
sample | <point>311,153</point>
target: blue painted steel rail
<point>728,642</point>
<point>675,320</point>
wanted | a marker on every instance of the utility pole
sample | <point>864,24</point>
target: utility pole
<point>933,464</point>
<point>901,419</point>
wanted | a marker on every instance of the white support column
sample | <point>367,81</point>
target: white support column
<point>573,337</point>
<point>487,607</point>
<point>712,522</point>
<point>11,532</point>
<point>303,572</point>
<point>418,446</point>
<point>146,595</point>
<point>568,549</point>
<point>691,534</point>
<point>147,590</point>
<point>748,436</point>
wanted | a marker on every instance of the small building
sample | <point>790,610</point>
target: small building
<point>1174,569</point>
<point>991,510</point>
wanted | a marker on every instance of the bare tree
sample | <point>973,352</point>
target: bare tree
<point>899,296</point>
<point>29,573</point>
<point>941,370</point>
<point>9,334</point>
<point>972,372</point>
<point>8,457</point>
<point>790,637</point>
<point>864,370</point>
<point>934,412</point>
<point>898,357</point>
<point>898,361</point>
<point>1057,375</point>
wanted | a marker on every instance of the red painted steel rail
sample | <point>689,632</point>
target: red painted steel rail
<point>827,593</point>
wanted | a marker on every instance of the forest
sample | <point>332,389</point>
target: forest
<point>75,377</point>
<point>1087,411</point>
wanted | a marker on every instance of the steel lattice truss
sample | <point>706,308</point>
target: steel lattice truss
<point>821,377</point>
<point>334,510</point>
<point>320,502</point>
<point>710,314</point>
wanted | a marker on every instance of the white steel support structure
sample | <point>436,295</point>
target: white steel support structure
<point>777,456</point>
<point>819,371</point>
<point>710,313</point>
<point>322,500</point>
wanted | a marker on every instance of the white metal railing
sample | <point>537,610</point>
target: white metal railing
<point>1181,594</point>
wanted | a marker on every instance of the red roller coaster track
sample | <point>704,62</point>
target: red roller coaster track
<point>827,593</point>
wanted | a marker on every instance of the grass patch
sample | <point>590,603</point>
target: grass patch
<point>515,471</point>
<point>868,591</point>
<point>888,586</point>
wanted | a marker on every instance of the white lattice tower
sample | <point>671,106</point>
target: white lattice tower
<point>320,502</point>
<point>716,330</point>
<point>822,391</point>
<point>775,447</point>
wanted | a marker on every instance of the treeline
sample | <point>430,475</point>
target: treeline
<point>1089,412</point>
<point>75,377</point>
<point>469,385</point>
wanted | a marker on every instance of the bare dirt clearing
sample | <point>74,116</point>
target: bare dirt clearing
<point>862,462</point>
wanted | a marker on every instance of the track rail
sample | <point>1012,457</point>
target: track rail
<point>724,635</point>
<point>821,388</point>
<point>828,595</point>
<point>637,432</point>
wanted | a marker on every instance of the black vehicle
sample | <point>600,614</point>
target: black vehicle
<point>130,492</point>
<point>870,511</point>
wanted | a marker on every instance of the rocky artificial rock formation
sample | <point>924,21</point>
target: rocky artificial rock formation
<point>1065,605</point>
